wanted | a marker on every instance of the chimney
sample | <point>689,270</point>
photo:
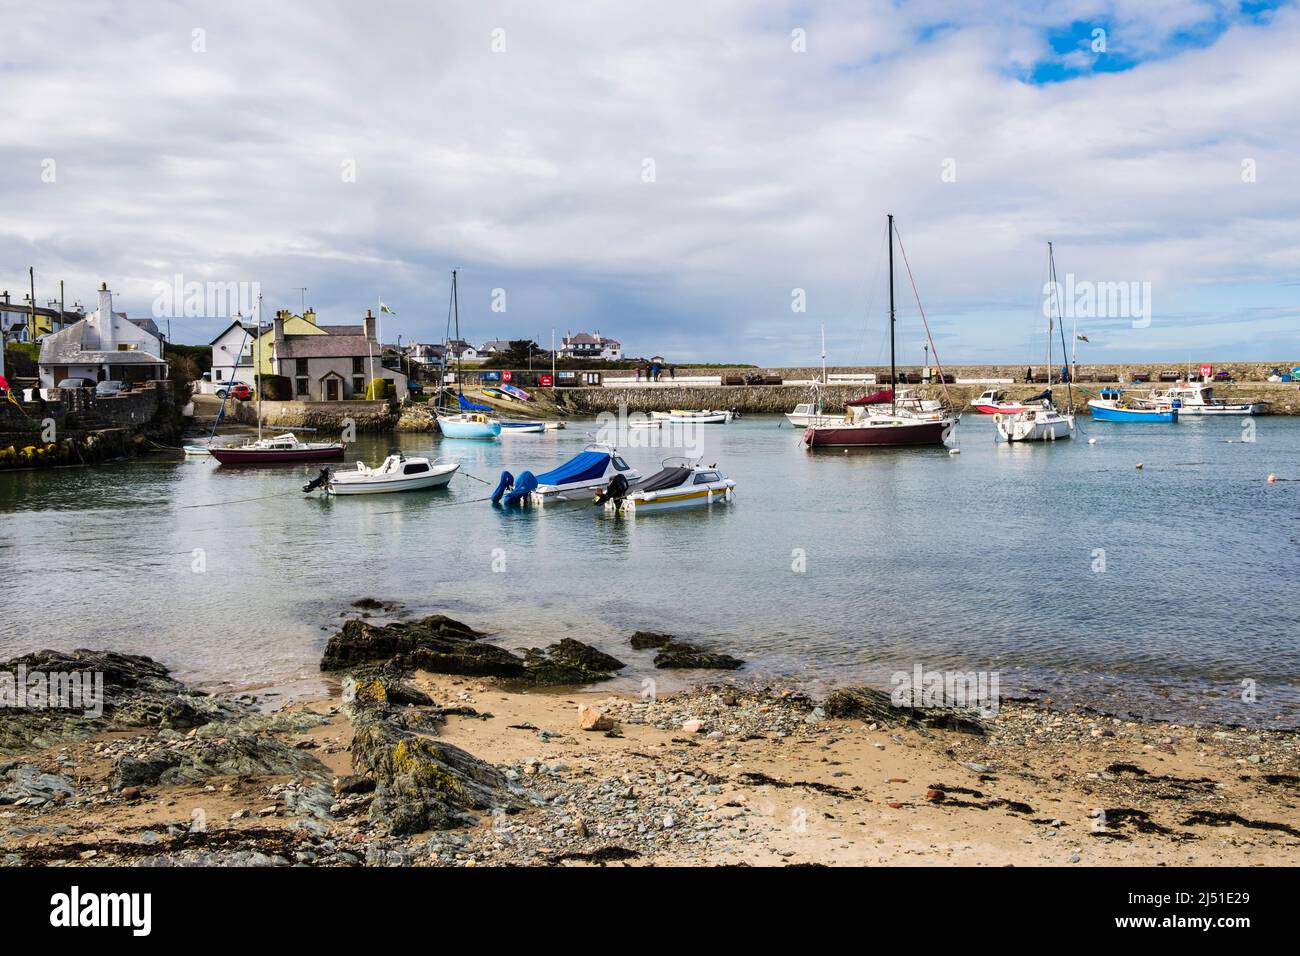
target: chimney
<point>369,323</point>
<point>106,322</point>
<point>310,316</point>
<point>278,325</point>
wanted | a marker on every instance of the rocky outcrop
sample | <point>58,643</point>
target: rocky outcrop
<point>27,786</point>
<point>441,645</point>
<point>138,693</point>
<point>194,759</point>
<point>679,655</point>
<point>569,662</point>
<point>866,703</point>
<point>417,418</point>
<point>420,782</point>
<point>436,644</point>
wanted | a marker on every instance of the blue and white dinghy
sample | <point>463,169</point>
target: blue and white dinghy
<point>575,480</point>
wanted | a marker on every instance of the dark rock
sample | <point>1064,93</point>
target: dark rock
<point>138,693</point>
<point>422,783</point>
<point>679,655</point>
<point>569,662</point>
<point>31,785</point>
<point>866,703</point>
<point>437,644</point>
<point>245,756</point>
<point>646,640</point>
<point>354,783</point>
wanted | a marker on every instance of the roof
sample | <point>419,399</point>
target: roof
<point>493,344</point>
<point>97,357</point>
<point>342,329</point>
<point>249,328</point>
<point>325,346</point>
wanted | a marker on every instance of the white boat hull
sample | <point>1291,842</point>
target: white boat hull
<point>1245,408</point>
<point>690,497</point>
<point>1022,428</point>
<point>362,483</point>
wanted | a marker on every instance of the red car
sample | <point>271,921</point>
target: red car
<point>239,390</point>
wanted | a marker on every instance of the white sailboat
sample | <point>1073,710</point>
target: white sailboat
<point>1041,420</point>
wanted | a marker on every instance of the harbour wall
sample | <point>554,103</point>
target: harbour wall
<point>322,416</point>
<point>77,427</point>
<point>1283,397</point>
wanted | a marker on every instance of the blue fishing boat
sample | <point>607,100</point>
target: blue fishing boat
<point>1113,407</point>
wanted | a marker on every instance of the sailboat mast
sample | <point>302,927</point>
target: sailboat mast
<point>455,304</point>
<point>1052,281</point>
<point>258,377</point>
<point>893,370</point>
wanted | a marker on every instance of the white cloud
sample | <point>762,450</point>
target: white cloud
<point>773,168</point>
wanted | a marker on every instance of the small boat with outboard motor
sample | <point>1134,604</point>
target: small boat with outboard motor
<point>590,470</point>
<point>522,428</point>
<point>281,448</point>
<point>681,483</point>
<point>397,473</point>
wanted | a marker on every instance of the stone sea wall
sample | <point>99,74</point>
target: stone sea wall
<point>322,416</point>
<point>1284,398</point>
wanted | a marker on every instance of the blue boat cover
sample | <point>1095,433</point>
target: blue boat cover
<point>588,466</point>
<point>467,406</point>
<point>525,485</point>
<point>507,482</point>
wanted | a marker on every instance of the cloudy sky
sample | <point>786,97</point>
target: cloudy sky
<point>670,173</point>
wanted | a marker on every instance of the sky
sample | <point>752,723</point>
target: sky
<point>705,180</point>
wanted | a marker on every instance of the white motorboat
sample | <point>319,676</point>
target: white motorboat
<point>1197,398</point>
<point>806,413</point>
<point>590,470</point>
<point>397,473</point>
<point>682,483</point>
<point>993,401</point>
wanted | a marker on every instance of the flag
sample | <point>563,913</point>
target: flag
<point>385,309</point>
<point>1082,338</point>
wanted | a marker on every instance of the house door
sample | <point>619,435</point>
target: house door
<point>331,389</point>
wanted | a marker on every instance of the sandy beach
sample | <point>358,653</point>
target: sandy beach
<point>725,774</point>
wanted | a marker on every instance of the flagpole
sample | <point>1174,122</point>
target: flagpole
<point>370,352</point>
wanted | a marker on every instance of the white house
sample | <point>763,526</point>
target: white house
<point>232,355</point>
<point>104,346</point>
<point>591,346</point>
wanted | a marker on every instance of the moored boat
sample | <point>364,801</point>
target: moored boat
<point>522,428</point>
<point>575,480</point>
<point>806,413</point>
<point>281,448</point>
<point>681,483</point>
<point>908,419</point>
<point>694,416</point>
<point>1112,406</point>
<point>1197,398</point>
<point>397,473</point>
<point>994,401</point>
<point>469,425</point>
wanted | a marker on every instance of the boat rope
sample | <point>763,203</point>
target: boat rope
<point>943,384</point>
<point>236,501</point>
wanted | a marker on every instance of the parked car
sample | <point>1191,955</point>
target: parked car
<point>109,387</point>
<point>75,383</point>
<point>239,390</point>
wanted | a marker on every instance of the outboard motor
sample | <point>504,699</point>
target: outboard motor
<point>507,482</point>
<point>322,479</point>
<point>525,486</point>
<point>616,489</point>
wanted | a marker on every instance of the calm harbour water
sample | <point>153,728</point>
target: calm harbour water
<point>980,561</point>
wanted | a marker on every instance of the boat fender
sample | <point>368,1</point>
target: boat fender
<point>616,489</point>
<point>322,479</point>
<point>525,485</point>
<point>997,417</point>
<point>507,482</point>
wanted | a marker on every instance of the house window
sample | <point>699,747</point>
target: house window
<point>300,385</point>
<point>357,367</point>
<point>358,385</point>
<point>219,373</point>
<point>302,366</point>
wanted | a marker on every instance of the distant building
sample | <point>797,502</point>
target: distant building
<point>232,354</point>
<point>593,345</point>
<point>494,347</point>
<point>331,366</point>
<point>460,349</point>
<point>104,346</point>
<point>16,318</point>
<point>423,353</point>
